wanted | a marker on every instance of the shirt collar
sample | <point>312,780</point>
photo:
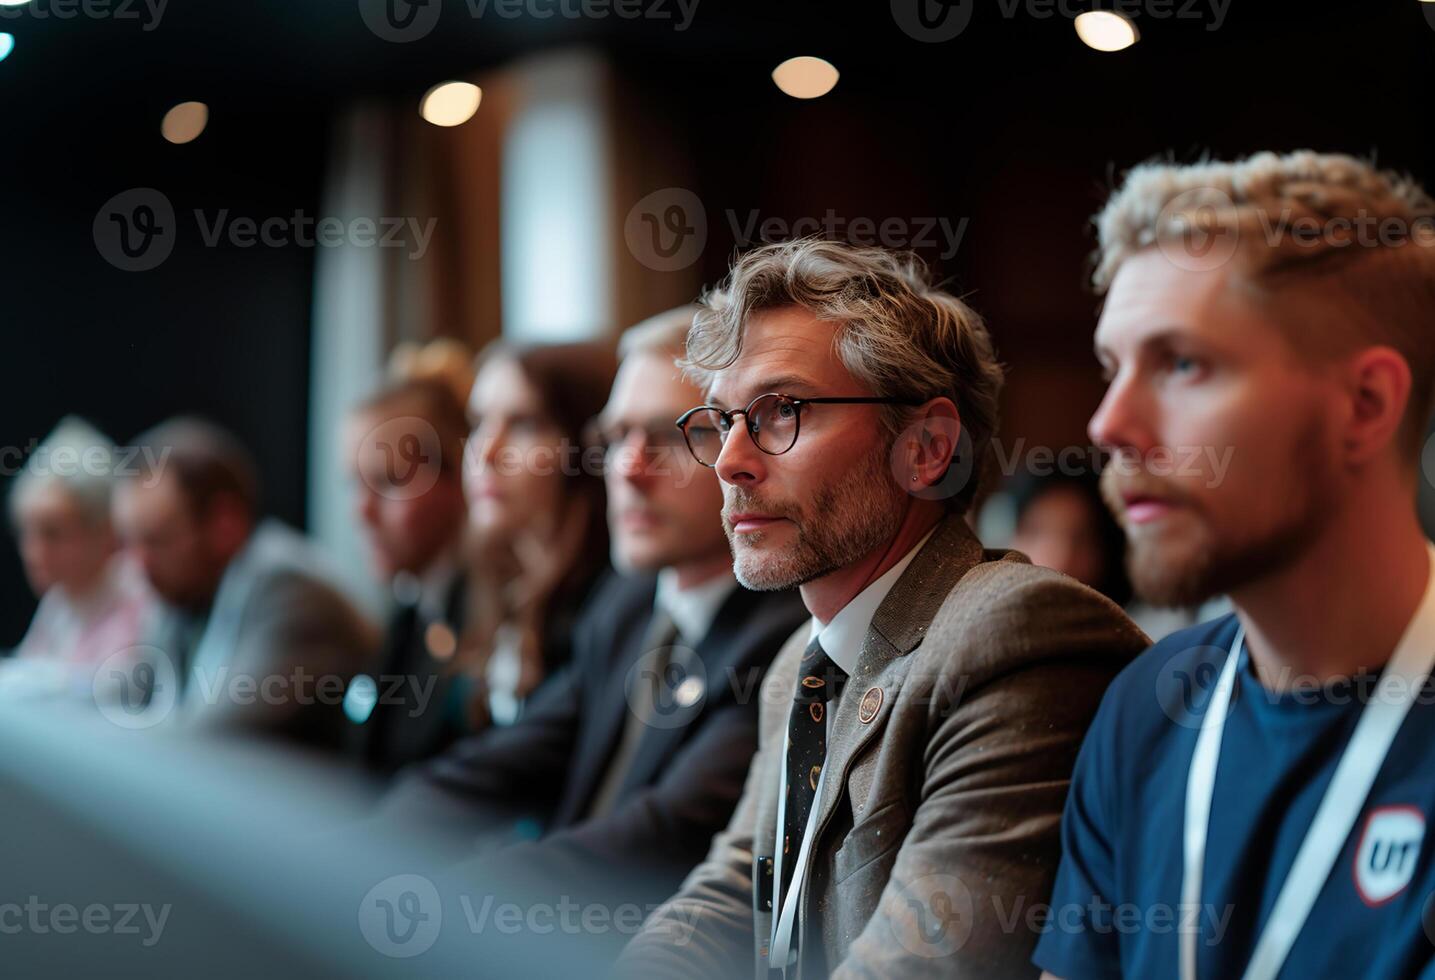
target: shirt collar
<point>843,636</point>
<point>693,610</point>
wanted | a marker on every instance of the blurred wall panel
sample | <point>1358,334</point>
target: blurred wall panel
<point>557,268</point>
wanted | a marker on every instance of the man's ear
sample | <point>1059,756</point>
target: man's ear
<point>931,437</point>
<point>1377,382</point>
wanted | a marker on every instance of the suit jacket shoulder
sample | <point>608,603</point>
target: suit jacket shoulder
<point>1019,612</point>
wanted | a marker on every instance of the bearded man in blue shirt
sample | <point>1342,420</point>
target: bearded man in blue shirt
<point>1252,797</point>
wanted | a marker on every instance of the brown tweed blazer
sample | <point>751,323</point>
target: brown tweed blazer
<point>951,750</point>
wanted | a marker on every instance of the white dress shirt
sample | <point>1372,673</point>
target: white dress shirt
<point>693,610</point>
<point>842,638</point>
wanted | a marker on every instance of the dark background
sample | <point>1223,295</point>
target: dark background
<point>1014,125</point>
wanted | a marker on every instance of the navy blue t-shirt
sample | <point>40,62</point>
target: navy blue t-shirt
<point>1115,909</point>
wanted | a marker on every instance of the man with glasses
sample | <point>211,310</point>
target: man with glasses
<point>633,756</point>
<point>915,747</point>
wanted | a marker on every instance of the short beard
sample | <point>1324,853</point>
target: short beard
<point>1187,574</point>
<point>843,523</point>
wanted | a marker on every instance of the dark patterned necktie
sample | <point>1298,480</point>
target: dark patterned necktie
<point>819,683</point>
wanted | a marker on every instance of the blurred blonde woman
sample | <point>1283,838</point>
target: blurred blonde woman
<point>93,601</point>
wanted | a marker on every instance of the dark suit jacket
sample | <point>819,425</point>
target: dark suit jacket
<point>951,750</point>
<point>417,719</point>
<point>683,782</point>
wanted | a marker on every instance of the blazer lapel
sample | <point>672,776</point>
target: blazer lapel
<point>721,651</point>
<point>897,629</point>
<point>600,729</point>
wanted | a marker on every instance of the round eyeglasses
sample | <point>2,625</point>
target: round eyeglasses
<point>772,422</point>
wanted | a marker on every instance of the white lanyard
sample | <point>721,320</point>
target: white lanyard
<point>1344,798</point>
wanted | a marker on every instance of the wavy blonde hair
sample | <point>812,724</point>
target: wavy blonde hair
<point>896,332</point>
<point>1295,220</point>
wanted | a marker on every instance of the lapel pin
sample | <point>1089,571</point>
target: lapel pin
<point>871,704</point>
<point>689,692</point>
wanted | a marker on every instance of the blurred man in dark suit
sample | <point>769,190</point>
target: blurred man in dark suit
<point>253,637</point>
<point>634,755</point>
<point>406,452</point>
<point>910,777</point>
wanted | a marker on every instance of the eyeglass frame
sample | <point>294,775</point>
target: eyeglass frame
<point>728,417</point>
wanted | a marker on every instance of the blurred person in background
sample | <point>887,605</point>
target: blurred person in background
<point>634,755</point>
<point>93,601</point>
<point>1062,523</point>
<point>536,513</point>
<point>252,636</point>
<point>405,451</point>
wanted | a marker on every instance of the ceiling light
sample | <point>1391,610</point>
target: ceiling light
<point>1106,30</point>
<point>185,122</point>
<point>450,103</point>
<point>805,77</point>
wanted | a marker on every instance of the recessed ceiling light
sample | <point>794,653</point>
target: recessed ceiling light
<point>1106,30</point>
<point>7,44</point>
<point>450,103</point>
<point>805,77</point>
<point>185,122</point>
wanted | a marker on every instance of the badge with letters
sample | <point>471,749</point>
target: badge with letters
<point>1388,851</point>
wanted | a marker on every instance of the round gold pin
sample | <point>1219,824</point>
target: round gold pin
<point>871,704</point>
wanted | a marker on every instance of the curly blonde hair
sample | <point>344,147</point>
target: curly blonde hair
<point>1292,220</point>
